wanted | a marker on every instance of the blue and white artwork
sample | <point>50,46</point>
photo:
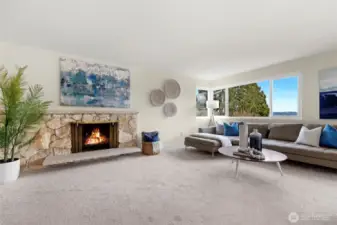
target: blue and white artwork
<point>328,93</point>
<point>92,84</point>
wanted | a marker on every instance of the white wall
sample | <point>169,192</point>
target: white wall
<point>307,66</point>
<point>43,68</point>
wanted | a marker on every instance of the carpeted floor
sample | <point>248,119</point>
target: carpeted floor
<point>176,187</point>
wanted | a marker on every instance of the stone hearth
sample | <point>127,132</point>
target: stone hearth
<point>54,136</point>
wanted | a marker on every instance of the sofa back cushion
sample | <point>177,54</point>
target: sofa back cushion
<point>209,130</point>
<point>263,128</point>
<point>312,125</point>
<point>284,132</point>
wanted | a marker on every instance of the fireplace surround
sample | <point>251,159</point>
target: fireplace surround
<point>54,137</point>
<point>90,136</point>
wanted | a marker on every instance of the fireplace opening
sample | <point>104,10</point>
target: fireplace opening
<point>94,136</point>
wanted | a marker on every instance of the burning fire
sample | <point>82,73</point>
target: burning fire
<point>96,138</point>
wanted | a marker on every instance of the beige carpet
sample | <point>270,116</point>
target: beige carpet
<point>176,187</point>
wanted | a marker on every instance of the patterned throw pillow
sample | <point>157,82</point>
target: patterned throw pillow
<point>309,137</point>
<point>329,137</point>
<point>231,130</point>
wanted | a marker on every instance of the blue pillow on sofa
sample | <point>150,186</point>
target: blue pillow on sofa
<point>329,137</point>
<point>231,130</point>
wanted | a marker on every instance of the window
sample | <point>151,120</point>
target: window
<point>285,97</point>
<point>201,98</point>
<point>249,100</point>
<point>220,95</point>
<point>272,97</point>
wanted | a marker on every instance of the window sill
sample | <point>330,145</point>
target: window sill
<point>261,118</point>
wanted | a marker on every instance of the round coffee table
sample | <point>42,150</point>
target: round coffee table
<point>270,157</point>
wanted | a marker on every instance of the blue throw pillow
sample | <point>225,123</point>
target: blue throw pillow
<point>231,130</point>
<point>151,136</point>
<point>329,137</point>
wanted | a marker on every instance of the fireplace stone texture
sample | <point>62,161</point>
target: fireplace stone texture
<point>54,136</point>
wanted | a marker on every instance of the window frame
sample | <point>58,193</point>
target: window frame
<point>271,80</point>
<point>208,98</point>
<point>226,99</point>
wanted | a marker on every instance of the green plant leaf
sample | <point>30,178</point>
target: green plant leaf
<point>23,110</point>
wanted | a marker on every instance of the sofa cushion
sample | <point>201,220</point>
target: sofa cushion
<point>263,128</point>
<point>231,130</point>
<point>209,130</point>
<point>330,154</point>
<point>329,137</point>
<point>274,144</point>
<point>312,125</point>
<point>201,141</point>
<point>284,132</point>
<point>302,150</point>
<point>234,139</point>
<point>219,128</point>
<point>309,137</point>
<point>315,152</point>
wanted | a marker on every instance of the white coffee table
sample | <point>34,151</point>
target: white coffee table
<point>270,157</point>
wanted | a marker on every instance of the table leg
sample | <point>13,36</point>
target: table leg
<point>237,168</point>
<point>279,167</point>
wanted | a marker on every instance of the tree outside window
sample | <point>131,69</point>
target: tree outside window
<point>249,100</point>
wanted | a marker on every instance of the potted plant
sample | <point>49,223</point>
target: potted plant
<point>21,113</point>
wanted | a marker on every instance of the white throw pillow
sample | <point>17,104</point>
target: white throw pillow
<point>309,137</point>
<point>219,127</point>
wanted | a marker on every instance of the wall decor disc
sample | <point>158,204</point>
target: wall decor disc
<point>172,88</point>
<point>170,109</point>
<point>157,97</point>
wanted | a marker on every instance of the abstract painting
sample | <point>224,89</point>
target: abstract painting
<point>92,84</point>
<point>328,93</point>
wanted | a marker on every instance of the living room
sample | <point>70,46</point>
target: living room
<point>141,110</point>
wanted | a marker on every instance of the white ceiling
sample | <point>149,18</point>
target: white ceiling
<point>206,39</point>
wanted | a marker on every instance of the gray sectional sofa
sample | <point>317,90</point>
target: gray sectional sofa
<point>278,137</point>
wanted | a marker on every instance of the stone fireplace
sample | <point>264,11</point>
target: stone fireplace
<point>90,136</point>
<point>55,136</point>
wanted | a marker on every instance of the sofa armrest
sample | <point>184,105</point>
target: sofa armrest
<point>209,130</point>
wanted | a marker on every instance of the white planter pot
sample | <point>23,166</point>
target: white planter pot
<point>9,171</point>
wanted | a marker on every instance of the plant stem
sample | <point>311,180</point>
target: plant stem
<point>15,139</point>
<point>6,148</point>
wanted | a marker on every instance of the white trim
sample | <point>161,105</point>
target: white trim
<point>276,77</point>
<point>271,85</point>
<point>260,118</point>
<point>208,95</point>
<point>227,102</point>
<point>210,98</point>
<point>300,95</point>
